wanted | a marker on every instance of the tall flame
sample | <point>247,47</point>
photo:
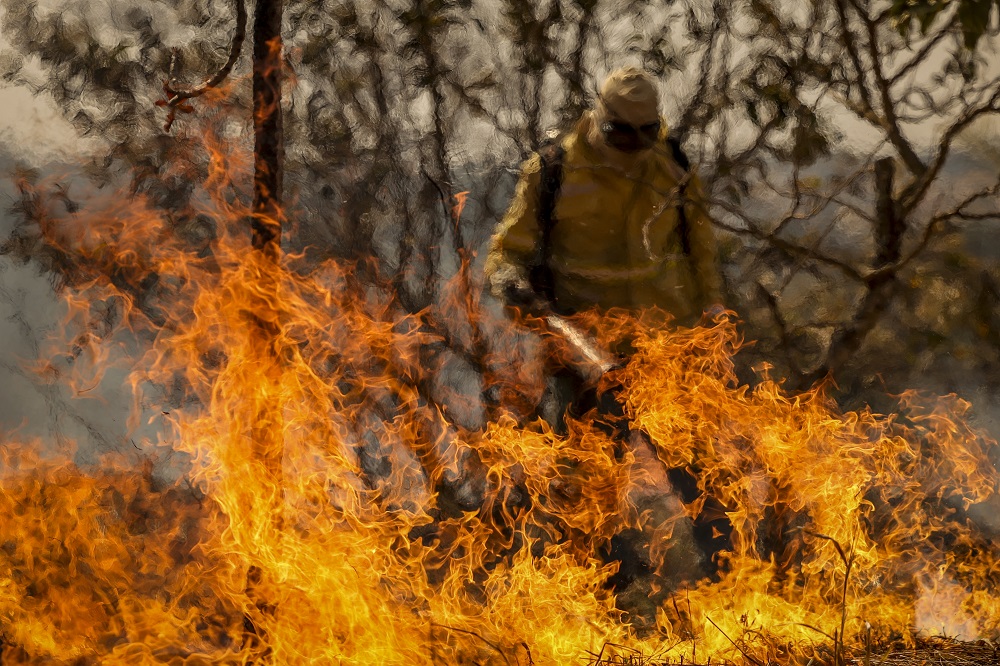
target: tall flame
<point>843,524</point>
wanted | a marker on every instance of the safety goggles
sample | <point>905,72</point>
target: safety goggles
<point>629,138</point>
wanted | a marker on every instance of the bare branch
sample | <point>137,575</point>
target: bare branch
<point>936,225</point>
<point>920,56</point>
<point>782,244</point>
<point>890,123</point>
<point>867,109</point>
<point>705,67</point>
<point>178,93</point>
<point>915,193</point>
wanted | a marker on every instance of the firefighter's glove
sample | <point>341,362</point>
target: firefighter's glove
<point>512,286</point>
<point>518,293</point>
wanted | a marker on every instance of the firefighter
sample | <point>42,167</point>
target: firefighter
<point>609,216</point>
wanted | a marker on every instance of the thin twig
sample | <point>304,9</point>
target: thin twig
<point>751,658</point>
<point>472,633</point>
<point>838,645</point>
<point>177,93</point>
<point>816,629</point>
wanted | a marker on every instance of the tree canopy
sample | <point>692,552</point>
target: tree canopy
<point>829,135</point>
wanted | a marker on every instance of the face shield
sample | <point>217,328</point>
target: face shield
<point>628,138</point>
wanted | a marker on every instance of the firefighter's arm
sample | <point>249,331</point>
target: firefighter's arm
<point>513,250</point>
<point>704,248</point>
<point>514,245</point>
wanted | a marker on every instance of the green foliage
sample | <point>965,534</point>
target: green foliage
<point>974,16</point>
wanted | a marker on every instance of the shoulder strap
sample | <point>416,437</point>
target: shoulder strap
<point>551,181</point>
<point>681,158</point>
<point>551,155</point>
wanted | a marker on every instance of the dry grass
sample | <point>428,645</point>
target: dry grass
<point>937,652</point>
<point>927,652</point>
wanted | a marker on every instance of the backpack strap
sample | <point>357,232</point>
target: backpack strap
<point>541,276</point>
<point>681,159</point>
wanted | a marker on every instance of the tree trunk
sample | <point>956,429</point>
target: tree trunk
<point>266,236</point>
<point>266,223</point>
<point>890,226</point>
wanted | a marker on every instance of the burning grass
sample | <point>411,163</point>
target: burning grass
<point>937,651</point>
<point>283,542</point>
<point>932,651</point>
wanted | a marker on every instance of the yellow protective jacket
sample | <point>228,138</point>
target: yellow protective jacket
<point>615,241</point>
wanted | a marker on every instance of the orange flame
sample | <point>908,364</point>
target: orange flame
<point>460,199</point>
<point>839,520</point>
